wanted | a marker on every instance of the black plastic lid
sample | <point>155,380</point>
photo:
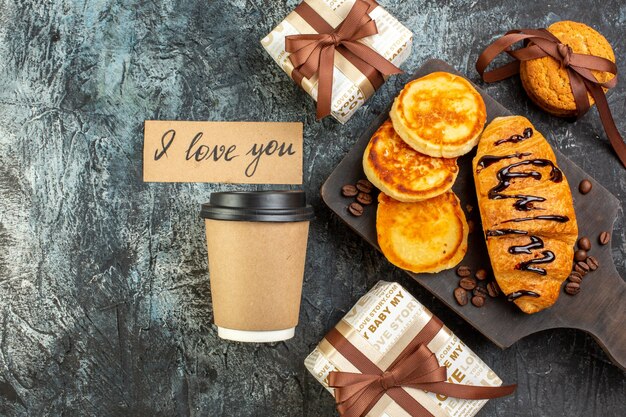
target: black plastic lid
<point>258,206</point>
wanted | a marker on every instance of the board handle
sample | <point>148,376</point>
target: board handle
<point>608,327</point>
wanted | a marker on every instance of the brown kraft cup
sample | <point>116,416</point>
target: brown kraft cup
<point>256,243</point>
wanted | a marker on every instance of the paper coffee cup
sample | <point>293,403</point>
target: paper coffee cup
<point>256,244</point>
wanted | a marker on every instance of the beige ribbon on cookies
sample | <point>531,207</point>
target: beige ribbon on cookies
<point>541,43</point>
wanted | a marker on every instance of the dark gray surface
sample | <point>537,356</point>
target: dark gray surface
<point>105,301</point>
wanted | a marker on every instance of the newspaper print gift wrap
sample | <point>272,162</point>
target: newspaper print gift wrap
<point>353,80</point>
<point>382,325</point>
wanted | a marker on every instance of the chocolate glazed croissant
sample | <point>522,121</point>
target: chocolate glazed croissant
<point>527,212</point>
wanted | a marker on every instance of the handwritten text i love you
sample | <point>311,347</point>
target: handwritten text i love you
<point>230,152</point>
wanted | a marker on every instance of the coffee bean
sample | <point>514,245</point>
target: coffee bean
<point>478,301</point>
<point>463,271</point>
<point>580,255</point>
<point>584,243</point>
<point>576,274</point>
<point>349,190</point>
<point>593,263</point>
<point>480,291</point>
<point>481,274</point>
<point>572,288</point>
<point>493,289</point>
<point>460,295</point>
<point>575,277</point>
<point>582,268</point>
<point>355,209</point>
<point>585,186</point>
<point>468,283</point>
<point>365,199</point>
<point>364,186</point>
<point>471,225</point>
<point>604,238</point>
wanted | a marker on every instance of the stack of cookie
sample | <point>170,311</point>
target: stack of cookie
<point>412,159</point>
<point>547,81</point>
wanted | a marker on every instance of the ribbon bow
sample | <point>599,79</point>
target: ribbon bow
<point>540,43</point>
<point>315,53</point>
<point>356,393</point>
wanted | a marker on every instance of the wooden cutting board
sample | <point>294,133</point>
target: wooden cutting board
<point>599,308</point>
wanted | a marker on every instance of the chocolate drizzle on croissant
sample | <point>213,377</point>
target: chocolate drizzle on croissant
<point>548,257</point>
<point>502,232</point>
<point>535,243</point>
<point>528,132</point>
<point>524,202</point>
<point>531,259</point>
<point>549,217</point>
<point>504,175</point>
<point>521,293</point>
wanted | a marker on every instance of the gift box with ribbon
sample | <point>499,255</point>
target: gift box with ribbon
<point>339,51</point>
<point>390,357</point>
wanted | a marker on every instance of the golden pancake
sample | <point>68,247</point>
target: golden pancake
<point>440,115</point>
<point>403,173</point>
<point>426,236</point>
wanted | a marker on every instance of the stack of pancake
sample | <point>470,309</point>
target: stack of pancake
<point>412,159</point>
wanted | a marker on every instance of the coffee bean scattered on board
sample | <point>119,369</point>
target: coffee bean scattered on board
<point>575,277</point>
<point>581,267</point>
<point>580,255</point>
<point>471,225</point>
<point>593,263</point>
<point>493,289</point>
<point>478,301</point>
<point>585,186</point>
<point>349,190</point>
<point>576,274</point>
<point>584,243</point>
<point>355,209</point>
<point>468,283</point>
<point>572,288</point>
<point>481,291</point>
<point>604,238</point>
<point>364,186</point>
<point>365,199</point>
<point>463,271</point>
<point>460,295</point>
<point>481,274</point>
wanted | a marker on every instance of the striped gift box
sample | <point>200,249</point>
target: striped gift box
<point>353,80</point>
<point>379,327</point>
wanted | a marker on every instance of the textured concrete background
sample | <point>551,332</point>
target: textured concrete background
<point>105,305</point>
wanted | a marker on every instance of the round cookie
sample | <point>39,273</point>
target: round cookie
<point>547,83</point>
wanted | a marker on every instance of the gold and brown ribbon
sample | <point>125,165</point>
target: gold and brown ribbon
<point>540,43</point>
<point>313,54</point>
<point>415,367</point>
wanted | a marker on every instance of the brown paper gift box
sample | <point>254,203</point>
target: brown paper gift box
<point>351,87</point>
<point>381,325</point>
